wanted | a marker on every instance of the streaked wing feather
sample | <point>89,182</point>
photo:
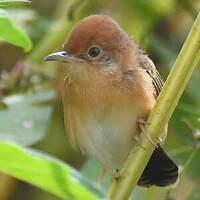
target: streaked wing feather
<point>146,63</point>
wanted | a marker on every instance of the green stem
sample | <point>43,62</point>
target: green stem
<point>54,35</point>
<point>184,168</point>
<point>188,58</point>
<point>7,186</point>
<point>189,160</point>
<point>59,29</point>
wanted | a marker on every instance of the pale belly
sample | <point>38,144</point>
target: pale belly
<point>108,138</point>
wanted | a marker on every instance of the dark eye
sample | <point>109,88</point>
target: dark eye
<point>94,52</point>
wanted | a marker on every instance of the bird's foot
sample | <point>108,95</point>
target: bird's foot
<point>116,176</point>
<point>141,124</point>
<point>136,141</point>
<point>101,176</point>
<point>161,140</point>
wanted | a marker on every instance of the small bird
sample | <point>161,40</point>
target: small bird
<point>110,87</point>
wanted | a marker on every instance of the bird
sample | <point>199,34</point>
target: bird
<point>110,87</point>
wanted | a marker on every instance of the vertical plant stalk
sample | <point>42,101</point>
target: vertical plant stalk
<point>7,186</point>
<point>188,58</point>
<point>54,35</point>
<point>59,29</point>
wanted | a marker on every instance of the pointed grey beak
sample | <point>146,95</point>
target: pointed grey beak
<point>62,56</point>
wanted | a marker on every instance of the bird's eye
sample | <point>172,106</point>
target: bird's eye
<point>94,52</point>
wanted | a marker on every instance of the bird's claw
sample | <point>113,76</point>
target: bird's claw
<point>116,176</point>
<point>141,124</point>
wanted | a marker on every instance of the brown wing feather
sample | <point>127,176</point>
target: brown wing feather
<point>146,63</point>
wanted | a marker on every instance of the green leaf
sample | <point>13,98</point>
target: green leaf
<point>46,173</point>
<point>10,32</point>
<point>2,105</point>
<point>25,120</point>
<point>11,3</point>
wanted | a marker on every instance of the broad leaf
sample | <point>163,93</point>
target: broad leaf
<point>46,173</point>
<point>11,3</point>
<point>24,120</point>
<point>10,32</point>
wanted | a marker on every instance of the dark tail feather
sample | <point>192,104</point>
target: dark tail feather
<point>160,170</point>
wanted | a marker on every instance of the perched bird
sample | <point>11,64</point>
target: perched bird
<point>110,87</point>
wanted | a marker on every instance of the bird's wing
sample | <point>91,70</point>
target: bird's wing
<point>146,63</point>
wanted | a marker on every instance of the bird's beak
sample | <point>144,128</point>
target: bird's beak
<point>62,56</point>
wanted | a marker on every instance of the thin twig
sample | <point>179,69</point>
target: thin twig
<point>59,29</point>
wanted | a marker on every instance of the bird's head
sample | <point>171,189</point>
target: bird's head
<point>97,43</point>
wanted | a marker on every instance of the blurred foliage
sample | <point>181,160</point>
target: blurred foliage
<point>11,32</point>
<point>28,126</point>
<point>45,172</point>
<point>10,3</point>
<point>30,103</point>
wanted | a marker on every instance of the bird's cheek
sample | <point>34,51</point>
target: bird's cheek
<point>79,71</point>
<point>111,68</point>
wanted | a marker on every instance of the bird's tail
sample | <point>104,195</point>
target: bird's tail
<point>160,170</point>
